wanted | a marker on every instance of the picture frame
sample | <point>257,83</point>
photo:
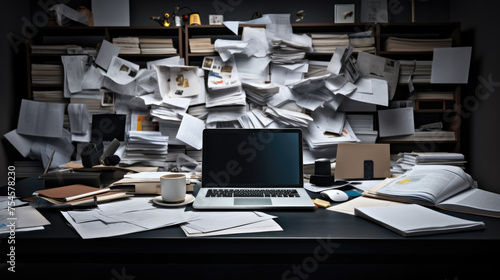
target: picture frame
<point>344,13</point>
<point>215,19</point>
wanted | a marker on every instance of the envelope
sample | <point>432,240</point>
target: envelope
<point>362,161</point>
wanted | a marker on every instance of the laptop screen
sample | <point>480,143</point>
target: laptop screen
<point>252,158</point>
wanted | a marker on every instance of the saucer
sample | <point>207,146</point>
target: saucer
<point>159,201</point>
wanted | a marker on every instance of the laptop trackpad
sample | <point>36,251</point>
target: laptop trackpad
<point>252,201</point>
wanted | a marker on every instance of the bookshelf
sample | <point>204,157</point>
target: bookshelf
<point>222,32</point>
<point>213,32</point>
<point>428,108</point>
<point>433,103</point>
<point>91,38</point>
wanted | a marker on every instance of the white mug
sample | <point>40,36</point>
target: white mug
<point>173,188</point>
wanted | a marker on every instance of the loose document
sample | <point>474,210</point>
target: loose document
<point>122,217</point>
<point>138,214</point>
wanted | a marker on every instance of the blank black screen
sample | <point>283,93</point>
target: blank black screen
<point>252,158</point>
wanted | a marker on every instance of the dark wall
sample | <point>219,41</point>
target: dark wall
<point>12,77</point>
<point>481,97</point>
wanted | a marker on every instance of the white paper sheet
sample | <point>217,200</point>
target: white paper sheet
<point>451,65</point>
<point>41,119</point>
<point>394,122</point>
<point>106,54</point>
<point>191,131</point>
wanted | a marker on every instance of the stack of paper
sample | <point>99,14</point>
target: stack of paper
<point>328,43</point>
<point>157,46</point>
<point>259,93</point>
<point>290,51</point>
<point>53,49</point>
<point>225,98</point>
<point>95,105</point>
<point>171,109</point>
<point>44,74</point>
<point>288,117</point>
<point>362,42</point>
<point>224,114</point>
<point>54,96</point>
<point>408,160</point>
<point>416,72</point>
<point>416,220</point>
<point>145,146</point>
<point>218,223</point>
<point>128,45</point>
<point>254,119</point>
<point>425,136</point>
<point>316,138</point>
<point>329,120</point>
<point>201,45</point>
<point>362,125</point>
<point>395,44</point>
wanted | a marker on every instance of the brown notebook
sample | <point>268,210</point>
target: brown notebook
<point>70,192</point>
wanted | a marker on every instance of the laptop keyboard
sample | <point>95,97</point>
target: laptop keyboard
<point>252,193</point>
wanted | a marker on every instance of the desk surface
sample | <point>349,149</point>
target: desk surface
<point>345,239</point>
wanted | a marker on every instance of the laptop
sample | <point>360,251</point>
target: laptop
<point>252,169</point>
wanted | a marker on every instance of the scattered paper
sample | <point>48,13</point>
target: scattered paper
<point>41,119</point>
<point>451,65</point>
<point>191,131</point>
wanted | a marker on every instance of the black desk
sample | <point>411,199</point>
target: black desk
<point>314,245</point>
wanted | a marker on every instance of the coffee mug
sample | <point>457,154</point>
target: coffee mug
<point>173,188</point>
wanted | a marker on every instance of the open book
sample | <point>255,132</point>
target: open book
<point>442,186</point>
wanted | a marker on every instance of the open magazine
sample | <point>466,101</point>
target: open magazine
<point>442,186</point>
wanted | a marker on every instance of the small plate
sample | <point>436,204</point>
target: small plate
<point>159,201</point>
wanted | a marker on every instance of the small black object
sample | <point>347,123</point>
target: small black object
<point>91,154</point>
<point>368,170</point>
<point>111,160</point>
<point>112,147</point>
<point>322,173</point>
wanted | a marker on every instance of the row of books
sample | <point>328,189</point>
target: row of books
<point>201,45</point>
<point>424,136</point>
<point>54,49</point>
<point>328,43</point>
<point>47,74</point>
<point>419,71</point>
<point>136,45</point>
<point>396,44</point>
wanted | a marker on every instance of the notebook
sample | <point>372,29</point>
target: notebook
<point>252,169</point>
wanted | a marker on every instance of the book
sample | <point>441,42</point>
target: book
<point>416,220</point>
<point>432,95</point>
<point>442,186</point>
<point>156,41</point>
<point>201,45</point>
<point>407,161</point>
<point>396,44</point>
<point>77,194</point>
<point>70,192</point>
<point>423,136</point>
